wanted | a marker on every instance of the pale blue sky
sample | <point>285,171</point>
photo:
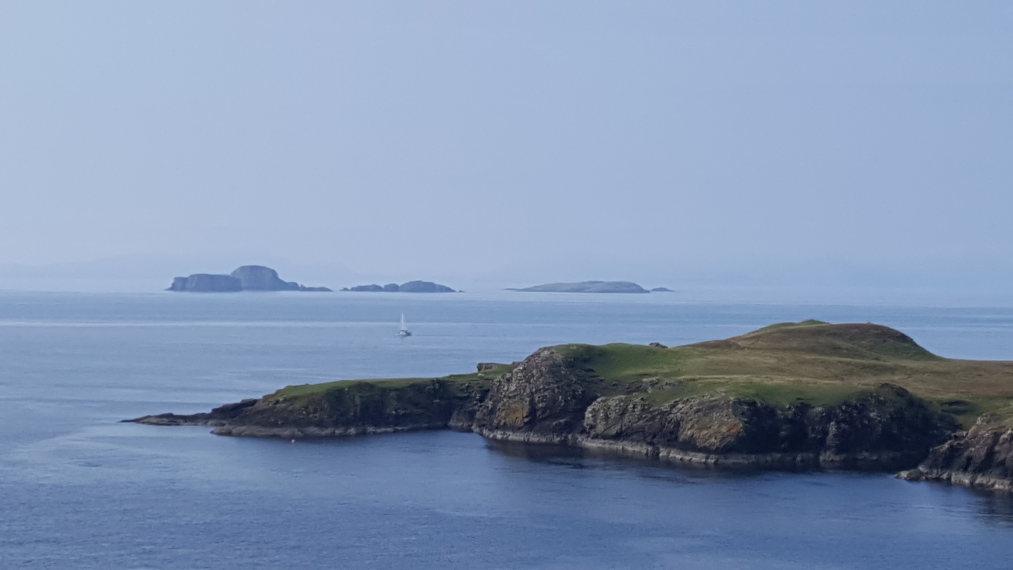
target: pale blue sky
<point>513,141</point>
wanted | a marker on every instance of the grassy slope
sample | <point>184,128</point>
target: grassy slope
<point>812,362</point>
<point>311,390</point>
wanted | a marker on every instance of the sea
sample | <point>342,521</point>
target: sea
<point>81,489</point>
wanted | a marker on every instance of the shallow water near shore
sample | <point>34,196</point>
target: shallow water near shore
<point>80,490</point>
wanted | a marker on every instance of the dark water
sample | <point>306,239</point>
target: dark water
<point>79,490</point>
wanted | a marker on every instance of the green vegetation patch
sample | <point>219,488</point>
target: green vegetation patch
<point>626,361</point>
<point>307,390</point>
<point>311,390</point>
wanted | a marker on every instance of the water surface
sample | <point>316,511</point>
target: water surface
<point>80,490</point>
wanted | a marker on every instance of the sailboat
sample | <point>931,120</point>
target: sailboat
<point>404,328</point>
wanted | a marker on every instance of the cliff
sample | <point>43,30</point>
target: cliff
<point>980,457</point>
<point>553,398</point>
<point>796,394</point>
<point>245,278</point>
<point>347,408</point>
<point>206,283</point>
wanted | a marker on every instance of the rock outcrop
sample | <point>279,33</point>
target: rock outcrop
<point>245,278</point>
<point>548,398</point>
<point>980,457</point>
<point>542,399</point>
<point>356,409</point>
<point>885,428</point>
<point>206,283</point>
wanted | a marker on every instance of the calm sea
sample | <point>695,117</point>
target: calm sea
<point>80,490</point>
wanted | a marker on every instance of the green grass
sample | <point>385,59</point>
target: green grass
<point>782,364</point>
<point>810,362</point>
<point>625,361</point>
<point>310,390</point>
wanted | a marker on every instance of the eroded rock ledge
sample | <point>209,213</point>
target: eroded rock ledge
<point>980,457</point>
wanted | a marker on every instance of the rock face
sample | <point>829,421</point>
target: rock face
<point>884,428</point>
<point>542,399</point>
<point>586,287</point>
<point>245,278</point>
<point>547,399</point>
<point>981,457</point>
<point>360,408</point>
<point>206,283</point>
<point>409,287</point>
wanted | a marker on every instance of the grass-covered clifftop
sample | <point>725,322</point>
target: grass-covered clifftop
<point>812,361</point>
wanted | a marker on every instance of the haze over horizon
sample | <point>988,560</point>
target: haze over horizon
<point>852,146</point>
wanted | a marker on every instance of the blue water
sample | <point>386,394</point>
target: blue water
<point>80,490</point>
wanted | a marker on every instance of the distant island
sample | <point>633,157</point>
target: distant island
<point>588,287</point>
<point>787,396</point>
<point>409,287</point>
<point>245,278</point>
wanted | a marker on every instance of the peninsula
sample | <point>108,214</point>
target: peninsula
<point>409,287</point>
<point>245,278</point>
<point>808,394</point>
<point>586,287</point>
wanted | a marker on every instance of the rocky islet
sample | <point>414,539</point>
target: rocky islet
<point>244,278</point>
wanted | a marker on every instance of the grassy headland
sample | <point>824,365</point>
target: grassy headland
<point>782,364</point>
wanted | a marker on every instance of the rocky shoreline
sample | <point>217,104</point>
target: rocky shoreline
<point>555,398</point>
<point>981,457</point>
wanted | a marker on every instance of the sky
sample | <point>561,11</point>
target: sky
<point>833,144</point>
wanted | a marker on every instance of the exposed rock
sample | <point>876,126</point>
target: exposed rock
<point>980,457</point>
<point>586,287</point>
<point>355,409</point>
<point>884,428</point>
<point>245,278</point>
<point>661,290</point>
<point>542,395</point>
<point>206,283</point>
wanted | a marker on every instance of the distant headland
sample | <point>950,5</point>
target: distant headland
<point>589,287</point>
<point>790,395</point>
<point>245,278</point>
<point>409,287</point>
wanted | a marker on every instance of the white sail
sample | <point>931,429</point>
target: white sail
<point>404,327</point>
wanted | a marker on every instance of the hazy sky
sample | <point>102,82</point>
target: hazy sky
<point>511,140</point>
